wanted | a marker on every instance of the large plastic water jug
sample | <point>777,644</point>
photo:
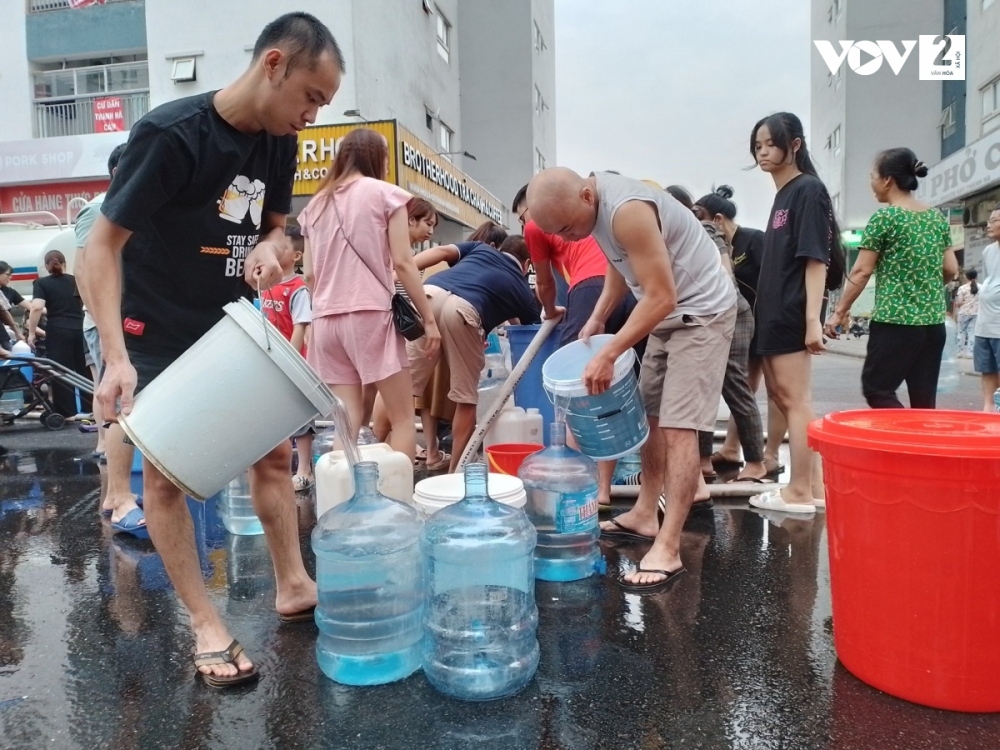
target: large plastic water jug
<point>492,378</point>
<point>236,508</point>
<point>21,349</point>
<point>480,618</point>
<point>11,402</point>
<point>434,493</point>
<point>370,582</point>
<point>323,443</point>
<point>335,480</point>
<point>949,375</point>
<point>561,485</point>
<point>516,425</point>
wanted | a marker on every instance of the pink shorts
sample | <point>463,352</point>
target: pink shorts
<point>356,347</point>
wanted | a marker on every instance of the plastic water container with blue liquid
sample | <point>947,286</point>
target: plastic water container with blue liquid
<point>236,508</point>
<point>370,581</point>
<point>561,485</point>
<point>480,618</point>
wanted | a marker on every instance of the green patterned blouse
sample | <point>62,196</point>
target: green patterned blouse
<point>908,283</point>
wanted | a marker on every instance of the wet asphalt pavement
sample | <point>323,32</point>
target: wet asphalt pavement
<point>94,650</point>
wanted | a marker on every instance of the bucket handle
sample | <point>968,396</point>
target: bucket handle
<point>263,316</point>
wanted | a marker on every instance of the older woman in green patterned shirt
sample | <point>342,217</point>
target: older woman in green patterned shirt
<point>907,246</point>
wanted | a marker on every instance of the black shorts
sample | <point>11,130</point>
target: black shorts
<point>149,365</point>
<point>580,305</point>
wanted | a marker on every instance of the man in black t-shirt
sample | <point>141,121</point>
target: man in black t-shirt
<point>195,214</point>
<point>57,296</point>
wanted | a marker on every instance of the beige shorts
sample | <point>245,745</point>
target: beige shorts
<point>461,345</point>
<point>683,369</point>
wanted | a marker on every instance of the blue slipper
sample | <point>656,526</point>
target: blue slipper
<point>133,523</point>
<point>107,513</point>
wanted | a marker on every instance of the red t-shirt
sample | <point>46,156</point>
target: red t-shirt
<point>576,261</point>
<point>277,302</point>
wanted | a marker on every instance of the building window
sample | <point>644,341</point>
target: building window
<point>991,99</point>
<point>443,36</point>
<point>429,119</point>
<point>539,161</point>
<point>444,138</point>
<point>90,98</point>
<point>539,39</point>
<point>948,126</point>
<point>540,105</point>
<point>836,140</point>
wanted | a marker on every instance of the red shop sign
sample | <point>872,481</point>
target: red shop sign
<point>108,115</point>
<point>53,197</point>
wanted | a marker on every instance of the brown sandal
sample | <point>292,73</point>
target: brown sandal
<point>228,656</point>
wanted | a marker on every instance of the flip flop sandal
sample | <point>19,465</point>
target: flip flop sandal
<point>751,480</point>
<point>302,484</point>
<point>774,501</point>
<point>442,463</point>
<point>223,657</point>
<point>305,615</point>
<point>650,588</point>
<point>108,513</point>
<point>777,471</point>
<point>420,455</point>
<point>629,480</point>
<point>726,464</point>
<point>702,506</point>
<point>625,534</point>
<point>133,523</point>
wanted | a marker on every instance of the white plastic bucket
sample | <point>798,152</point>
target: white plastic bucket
<point>434,493</point>
<point>225,403</point>
<point>606,426</point>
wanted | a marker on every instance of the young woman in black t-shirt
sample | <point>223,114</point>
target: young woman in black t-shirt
<point>800,242</point>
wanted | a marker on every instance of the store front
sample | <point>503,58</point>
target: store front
<point>461,202</point>
<point>967,186</point>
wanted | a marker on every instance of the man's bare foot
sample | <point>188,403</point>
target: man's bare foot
<point>216,637</point>
<point>296,597</point>
<point>643,525</point>
<point>653,561</point>
<point>120,509</point>
<point>755,470</point>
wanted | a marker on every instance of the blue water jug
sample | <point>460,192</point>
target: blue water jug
<point>949,375</point>
<point>370,581</point>
<point>323,443</point>
<point>236,508</point>
<point>561,485</point>
<point>480,618</point>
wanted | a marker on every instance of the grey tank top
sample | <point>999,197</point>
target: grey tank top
<point>703,286</point>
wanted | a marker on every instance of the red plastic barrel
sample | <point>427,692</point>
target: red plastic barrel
<point>506,458</point>
<point>913,517</point>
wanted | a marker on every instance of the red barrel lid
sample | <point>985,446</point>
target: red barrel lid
<point>916,431</point>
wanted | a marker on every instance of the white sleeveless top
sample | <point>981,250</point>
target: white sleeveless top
<point>703,286</point>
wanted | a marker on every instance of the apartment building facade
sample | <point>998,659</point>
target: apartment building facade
<point>79,73</point>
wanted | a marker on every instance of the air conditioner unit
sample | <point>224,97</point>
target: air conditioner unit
<point>183,70</point>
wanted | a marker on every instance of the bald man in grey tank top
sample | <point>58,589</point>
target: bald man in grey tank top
<point>687,308</point>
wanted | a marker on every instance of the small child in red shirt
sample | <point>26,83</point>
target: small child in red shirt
<point>289,308</point>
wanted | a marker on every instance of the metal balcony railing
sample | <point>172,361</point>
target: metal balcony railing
<point>56,117</point>
<point>41,6</point>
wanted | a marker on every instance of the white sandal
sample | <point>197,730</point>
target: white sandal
<point>773,501</point>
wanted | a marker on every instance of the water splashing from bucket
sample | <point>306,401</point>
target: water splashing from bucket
<point>342,422</point>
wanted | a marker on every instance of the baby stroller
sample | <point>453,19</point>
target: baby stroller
<point>26,385</point>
